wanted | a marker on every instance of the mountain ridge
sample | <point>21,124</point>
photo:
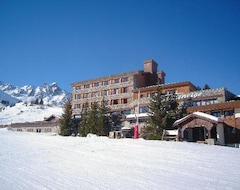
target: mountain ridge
<point>29,103</point>
<point>48,94</point>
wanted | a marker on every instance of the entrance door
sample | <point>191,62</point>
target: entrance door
<point>194,134</point>
<point>198,134</point>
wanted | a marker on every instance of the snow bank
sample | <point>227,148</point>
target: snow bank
<point>37,161</point>
<point>21,113</point>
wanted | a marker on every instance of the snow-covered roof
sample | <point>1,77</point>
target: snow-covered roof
<point>132,116</point>
<point>126,128</point>
<point>207,116</point>
<point>171,132</point>
<point>198,114</point>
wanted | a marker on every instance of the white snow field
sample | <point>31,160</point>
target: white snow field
<point>32,161</point>
<point>21,113</point>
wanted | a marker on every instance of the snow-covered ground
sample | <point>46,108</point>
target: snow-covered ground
<point>21,113</point>
<point>39,161</point>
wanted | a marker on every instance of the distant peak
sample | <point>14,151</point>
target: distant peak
<point>53,83</point>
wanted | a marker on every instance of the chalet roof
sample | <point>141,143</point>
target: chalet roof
<point>215,107</point>
<point>232,121</point>
<point>200,115</point>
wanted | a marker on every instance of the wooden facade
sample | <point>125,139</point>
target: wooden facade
<point>223,106</point>
<point>199,126</point>
<point>178,87</point>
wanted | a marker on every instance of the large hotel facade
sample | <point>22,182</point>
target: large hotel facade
<point>115,91</point>
<point>129,94</point>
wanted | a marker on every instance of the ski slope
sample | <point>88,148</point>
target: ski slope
<point>39,161</point>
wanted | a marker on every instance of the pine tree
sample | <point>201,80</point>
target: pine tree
<point>94,120</point>
<point>104,121</point>
<point>82,126</point>
<point>163,112</point>
<point>66,122</point>
<point>41,102</point>
<point>206,87</point>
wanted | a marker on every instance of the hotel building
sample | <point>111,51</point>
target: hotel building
<point>115,91</point>
<point>125,93</point>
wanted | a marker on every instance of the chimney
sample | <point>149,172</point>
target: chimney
<point>150,66</point>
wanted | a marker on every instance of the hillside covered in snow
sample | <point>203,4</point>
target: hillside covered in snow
<point>21,113</point>
<point>29,103</point>
<point>40,161</point>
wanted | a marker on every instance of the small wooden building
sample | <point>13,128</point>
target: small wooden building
<point>49,125</point>
<point>202,127</point>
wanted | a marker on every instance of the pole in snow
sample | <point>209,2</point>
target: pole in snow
<point>136,128</point>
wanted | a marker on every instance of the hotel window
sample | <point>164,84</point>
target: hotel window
<point>196,103</point>
<point>204,102</point>
<point>125,79</point>
<point>96,84</point>
<point>86,95</point>
<point>124,90</point>
<point>105,92</point>
<point>86,85</point>
<point>115,102</point>
<point>78,87</point>
<point>115,91</point>
<point>78,106</point>
<point>125,100</point>
<point>78,96</point>
<point>217,114</point>
<point>171,91</point>
<point>213,101</point>
<point>116,80</point>
<point>143,109</point>
<point>95,94</point>
<point>150,95</point>
<point>105,83</point>
<point>228,113</point>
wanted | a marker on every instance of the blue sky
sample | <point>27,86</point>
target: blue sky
<point>43,41</point>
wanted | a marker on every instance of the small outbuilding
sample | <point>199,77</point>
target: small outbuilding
<point>201,127</point>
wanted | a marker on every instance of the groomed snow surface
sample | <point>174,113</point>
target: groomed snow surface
<point>41,161</point>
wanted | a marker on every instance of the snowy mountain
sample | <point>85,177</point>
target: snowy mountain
<point>29,103</point>
<point>7,100</point>
<point>47,94</point>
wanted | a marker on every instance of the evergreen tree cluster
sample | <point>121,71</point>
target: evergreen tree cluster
<point>164,110</point>
<point>94,119</point>
<point>37,101</point>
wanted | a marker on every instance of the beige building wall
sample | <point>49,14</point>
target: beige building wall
<point>113,91</point>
